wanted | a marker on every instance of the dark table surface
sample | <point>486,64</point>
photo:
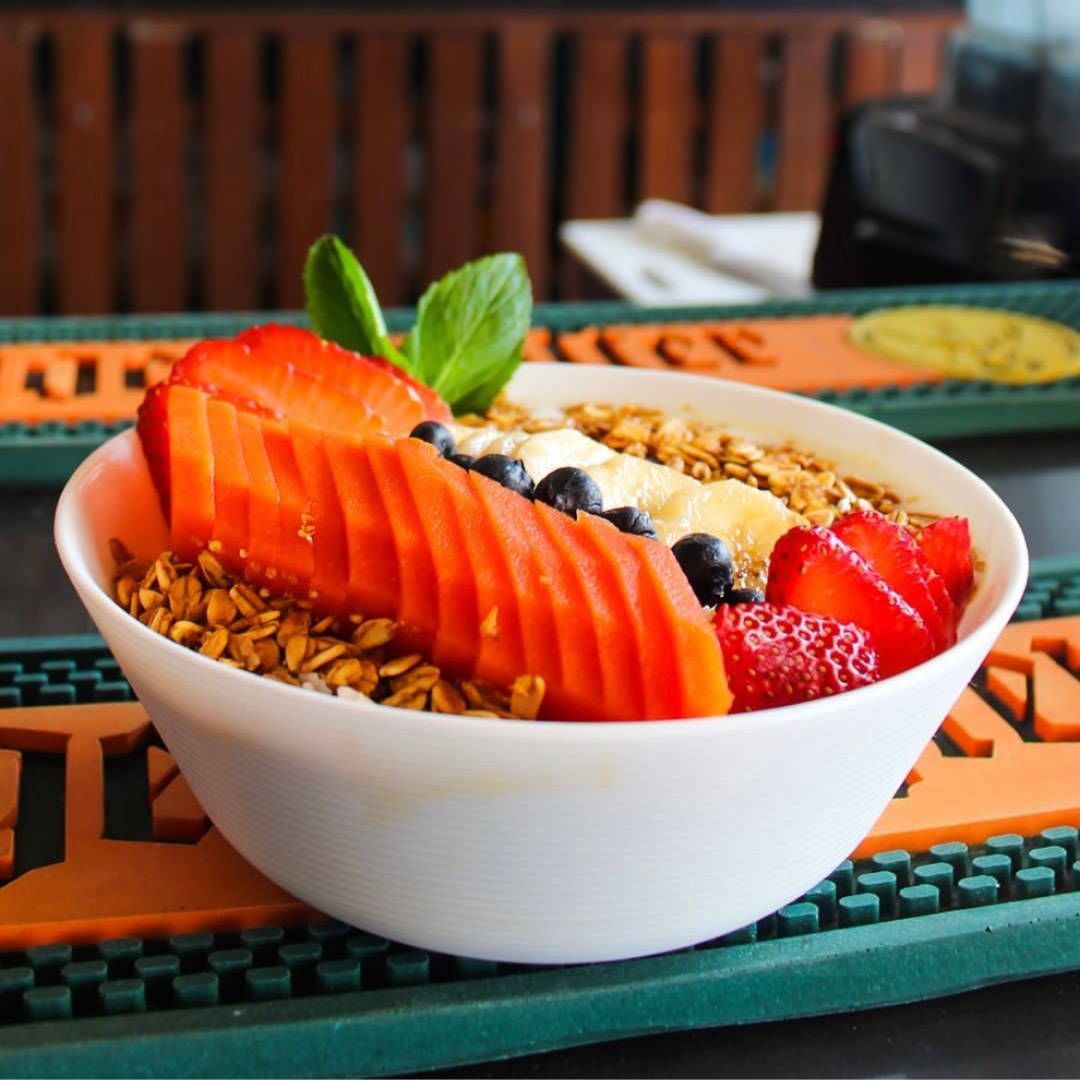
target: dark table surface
<point>1023,1029</point>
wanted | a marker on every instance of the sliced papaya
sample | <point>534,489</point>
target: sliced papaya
<point>500,656</point>
<point>418,600</point>
<point>493,585</point>
<point>191,470</point>
<point>525,604</point>
<point>698,667</point>
<point>296,558</point>
<point>659,692</point>
<point>263,499</point>
<point>613,653</point>
<point>373,587</point>
<point>431,481</point>
<point>326,527</point>
<point>231,484</point>
<point>572,661</point>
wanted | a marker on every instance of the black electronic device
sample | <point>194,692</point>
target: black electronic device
<point>977,182</point>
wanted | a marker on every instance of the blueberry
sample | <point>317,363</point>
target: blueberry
<point>706,562</point>
<point>506,471</point>
<point>435,433</point>
<point>629,519</point>
<point>466,461</point>
<point>570,490</point>
<point>743,596</point>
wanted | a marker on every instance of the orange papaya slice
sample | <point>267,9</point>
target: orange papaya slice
<point>524,604</point>
<point>263,499</point>
<point>490,584</point>
<point>635,588</point>
<point>612,652</point>
<point>231,484</point>
<point>296,559</point>
<point>432,483</point>
<point>373,588</point>
<point>191,468</point>
<point>418,599</point>
<point>325,526</point>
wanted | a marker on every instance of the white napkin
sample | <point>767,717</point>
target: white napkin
<point>775,251</point>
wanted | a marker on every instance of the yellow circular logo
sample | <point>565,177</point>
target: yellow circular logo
<point>971,343</point>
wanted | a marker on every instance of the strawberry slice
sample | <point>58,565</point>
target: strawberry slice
<point>892,551</point>
<point>296,375</point>
<point>814,570</point>
<point>946,543</point>
<point>152,425</point>
<point>288,373</point>
<point>776,655</point>
<point>372,378</point>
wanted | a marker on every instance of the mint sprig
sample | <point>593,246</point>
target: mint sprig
<point>470,328</point>
<point>341,301</point>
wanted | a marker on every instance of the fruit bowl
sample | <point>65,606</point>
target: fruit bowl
<point>546,842</point>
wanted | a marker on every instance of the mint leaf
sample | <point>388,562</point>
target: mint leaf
<point>470,330</point>
<point>341,302</point>
<point>479,399</point>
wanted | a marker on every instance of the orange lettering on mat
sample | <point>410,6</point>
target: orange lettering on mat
<point>114,888</point>
<point>42,382</point>
<point>1020,775</point>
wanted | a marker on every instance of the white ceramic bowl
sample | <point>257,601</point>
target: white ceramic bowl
<point>548,842</point>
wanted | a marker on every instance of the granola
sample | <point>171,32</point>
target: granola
<point>210,611</point>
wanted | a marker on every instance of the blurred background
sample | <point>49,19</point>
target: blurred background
<point>183,157</point>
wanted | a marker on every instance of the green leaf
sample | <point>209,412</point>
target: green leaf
<point>470,330</point>
<point>341,302</point>
<point>480,398</point>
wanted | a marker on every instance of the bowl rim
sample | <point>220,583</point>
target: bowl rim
<point>340,709</point>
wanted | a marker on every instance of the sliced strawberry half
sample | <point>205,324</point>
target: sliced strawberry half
<point>776,655</point>
<point>152,425</point>
<point>892,551</point>
<point>288,373</point>
<point>372,378</point>
<point>296,375</point>
<point>814,570</point>
<point>946,543</point>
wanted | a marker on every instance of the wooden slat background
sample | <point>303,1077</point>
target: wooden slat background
<point>736,116</point>
<point>308,137</point>
<point>804,124</point>
<point>20,211</point>
<point>381,133</point>
<point>667,118</point>
<point>85,167</point>
<point>522,150</point>
<point>233,128</point>
<point>159,127</point>
<point>452,179</point>
<point>873,63</point>
<point>189,159</point>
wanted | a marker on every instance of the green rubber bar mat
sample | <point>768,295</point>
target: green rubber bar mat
<point>323,998</point>
<point>44,455</point>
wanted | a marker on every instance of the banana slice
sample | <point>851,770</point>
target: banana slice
<point>748,520</point>
<point>549,450</point>
<point>487,440</point>
<point>626,480</point>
